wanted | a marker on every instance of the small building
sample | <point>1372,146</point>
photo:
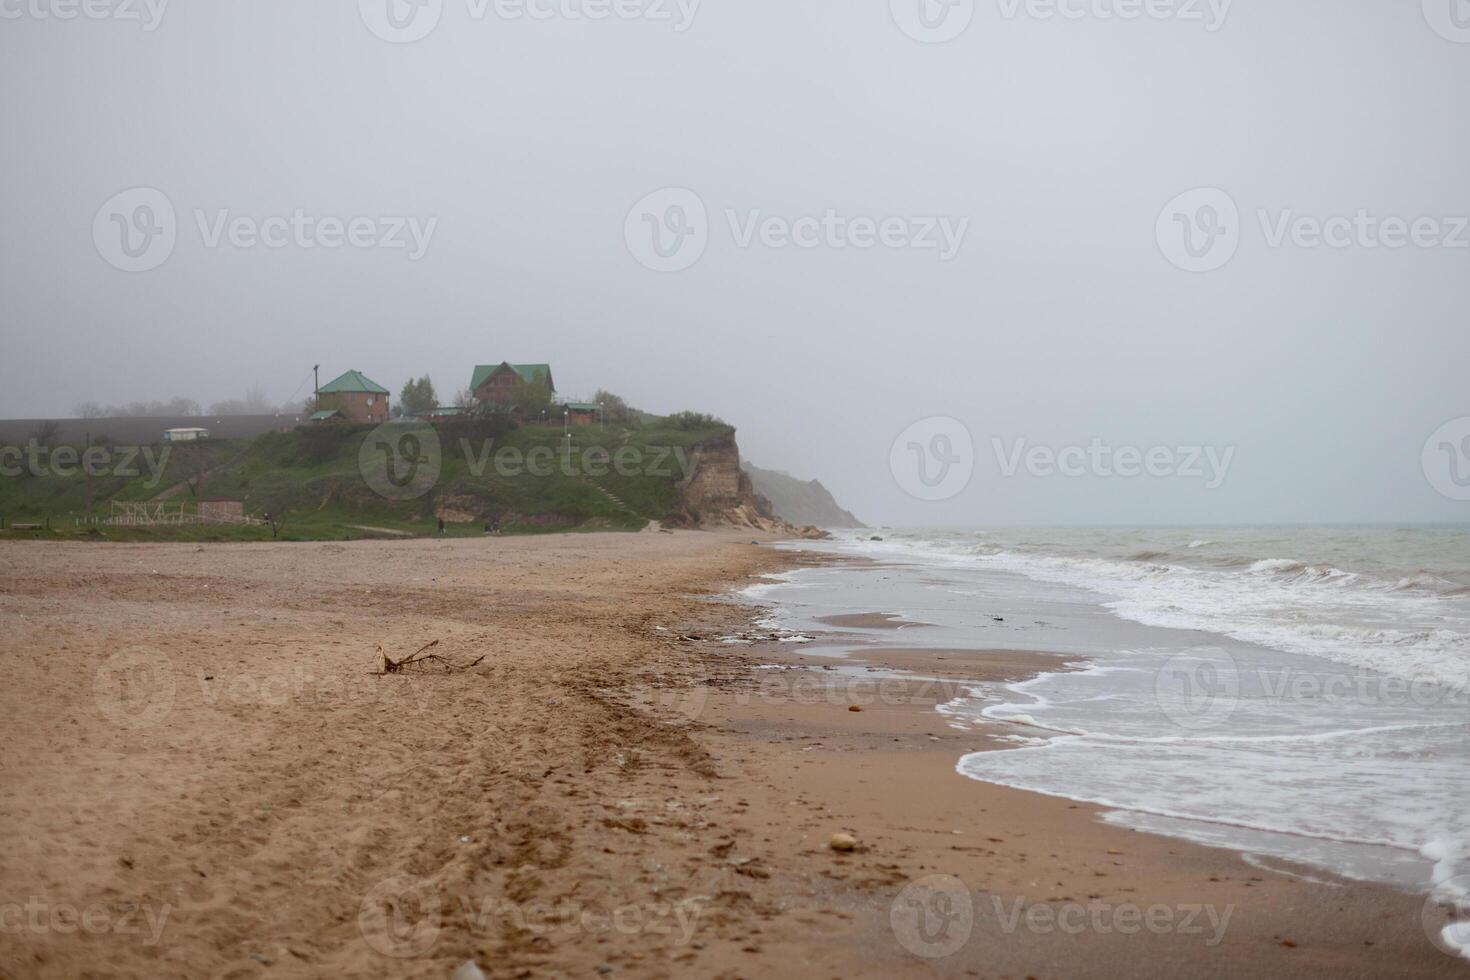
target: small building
<point>325,415</point>
<point>497,384</point>
<point>444,414</point>
<point>185,435</point>
<point>355,396</point>
<point>581,413</point>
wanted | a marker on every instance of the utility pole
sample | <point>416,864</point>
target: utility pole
<point>316,386</point>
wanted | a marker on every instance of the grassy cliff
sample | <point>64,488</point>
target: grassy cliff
<point>344,481</point>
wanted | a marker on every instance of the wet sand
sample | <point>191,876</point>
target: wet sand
<point>204,777</point>
<point>1054,892</point>
<point>868,621</point>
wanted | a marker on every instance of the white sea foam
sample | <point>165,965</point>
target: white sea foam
<point>1451,878</point>
<point>1414,627</point>
<point>1373,785</point>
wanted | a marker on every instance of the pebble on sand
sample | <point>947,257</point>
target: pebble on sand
<point>843,842</point>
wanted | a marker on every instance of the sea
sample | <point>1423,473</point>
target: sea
<point>1298,694</point>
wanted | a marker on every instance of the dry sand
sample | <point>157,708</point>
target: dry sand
<point>201,778</point>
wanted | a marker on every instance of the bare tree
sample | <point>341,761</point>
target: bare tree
<point>154,409</point>
<point>255,402</point>
<point>48,433</point>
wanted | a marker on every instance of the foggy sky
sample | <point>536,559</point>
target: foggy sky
<point>1059,321</point>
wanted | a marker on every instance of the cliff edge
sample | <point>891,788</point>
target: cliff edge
<point>719,492</point>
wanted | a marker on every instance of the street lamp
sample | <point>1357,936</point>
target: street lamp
<point>602,415</point>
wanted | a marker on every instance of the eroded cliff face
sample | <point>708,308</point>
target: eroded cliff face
<point>719,493</point>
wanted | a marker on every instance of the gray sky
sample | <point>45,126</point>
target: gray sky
<point>1063,316</point>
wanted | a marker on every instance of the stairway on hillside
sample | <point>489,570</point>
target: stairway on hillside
<point>608,494</point>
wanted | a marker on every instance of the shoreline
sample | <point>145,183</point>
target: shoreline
<point>611,791</point>
<point>1270,911</point>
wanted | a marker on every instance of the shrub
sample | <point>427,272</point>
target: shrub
<point>689,421</point>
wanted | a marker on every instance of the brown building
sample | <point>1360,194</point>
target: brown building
<point>353,397</point>
<point>497,384</point>
<point>580,413</point>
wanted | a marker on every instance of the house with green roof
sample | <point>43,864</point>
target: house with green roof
<point>497,384</point>
<point>352,397</point>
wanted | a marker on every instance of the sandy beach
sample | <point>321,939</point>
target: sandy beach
<point>206,775</point>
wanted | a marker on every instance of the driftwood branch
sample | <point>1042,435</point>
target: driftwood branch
<point>420,657</point>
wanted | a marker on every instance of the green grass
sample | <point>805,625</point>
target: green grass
<point>533,479</point>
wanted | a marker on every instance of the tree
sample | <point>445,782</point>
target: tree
<point>418,397</point>
<point>154,409</point>
<point>614,408</point>
<point>47,433</point>
<point>183,406</point>
<point>255,402</point>
<point>533,397</point>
